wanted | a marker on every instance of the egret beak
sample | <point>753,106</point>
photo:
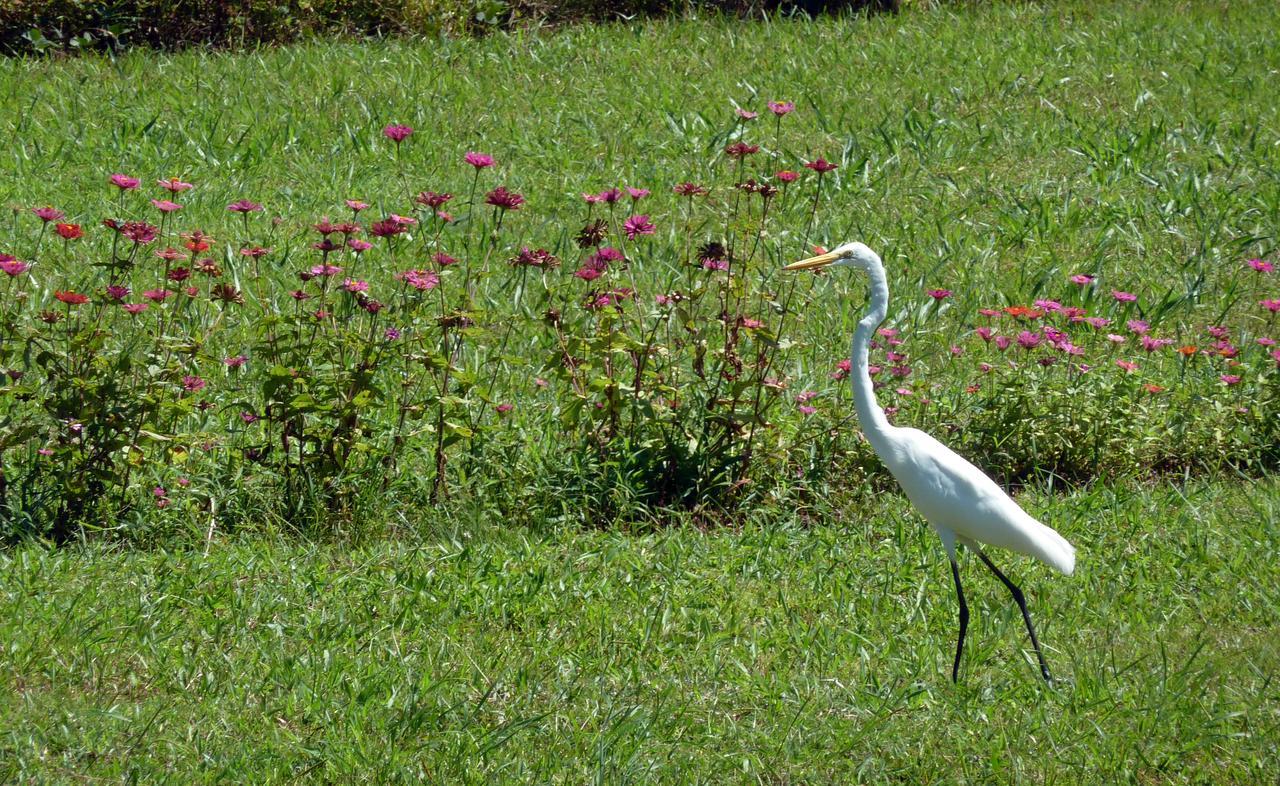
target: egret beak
<point>812,263</point>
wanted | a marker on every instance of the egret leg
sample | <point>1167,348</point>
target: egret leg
<point>964,620</point>
<point>1026,615</point>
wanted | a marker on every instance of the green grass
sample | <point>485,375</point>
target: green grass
<point>991,151</point>
<point>771,654</point>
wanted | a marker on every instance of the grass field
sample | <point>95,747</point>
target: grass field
<point>991,151</point>
<point>769,654</point>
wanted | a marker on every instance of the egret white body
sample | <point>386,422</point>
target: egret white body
<point>959,501</point>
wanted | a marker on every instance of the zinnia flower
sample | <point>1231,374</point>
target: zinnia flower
<point>12,266</point>
<point>1123,297</point>
<point>432,200</point>
<point>1137,326</point>
<point>71,298</point>
<point>1261,266</point>
<point>688,189</point>
<point>786,176</point>
<point>1230,379</point>
<point>420,280</point>
<point>174,186</point>
<point>443,260</point>
<point>397,133</point>
<point>356,205</point>
<point>192,383</point>
<point>637,194</point>
<point>1081,279</point>
<point>69,231</point>
<point>820,165</point>
<point>48,213</point>
<point>746,114</point>
<point>637,225</point>
<point>255,252</point>
<point>939,294</point>
<point>140,232</point>
<point>741,150</point>
<point>478,160</point>
<point>166,206</point>
<point>1272,305</point>
<point>244,206</point>
<point>781,108</point>
<point>236,361</point>
<point>135,308</point>
<point>1128,365</point>
<point>124,182</point>
<point>503,199</point>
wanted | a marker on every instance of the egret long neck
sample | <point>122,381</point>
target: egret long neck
<point>870,416</point>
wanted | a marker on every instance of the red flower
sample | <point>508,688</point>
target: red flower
<point>71,298</point>
<point>69,231</point>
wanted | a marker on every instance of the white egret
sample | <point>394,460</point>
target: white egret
<point>961,503</point>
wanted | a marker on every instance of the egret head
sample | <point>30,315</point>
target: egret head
<point>853,254</point>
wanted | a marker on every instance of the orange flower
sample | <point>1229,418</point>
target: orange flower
<point>69,231</point>
<point>1187,351</point>
<point>1023,311</point>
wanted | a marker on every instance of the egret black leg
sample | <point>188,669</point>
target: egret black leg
<point>964,620</point>
<point>1026,615</point>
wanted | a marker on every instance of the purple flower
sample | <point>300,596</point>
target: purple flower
<point>939,294</point>
<point>1137,326</point>
<point>478,160</point>
<point>397,133</point>
<point>1123,297</point>
<point>48,213</point>
<point>391,334</point>
<point>1028,340</point>
<point>1152,344</point>
<point>637,225</point>
<point>1048,305</point>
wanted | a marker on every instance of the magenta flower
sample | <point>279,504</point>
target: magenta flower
<point>746,114</point>
<point>1048,305</point>
<point>391,334</point>
<point>1128,365</point>
<point>781,108</point>
<point>504,408</point>
<point>1123,297</point>
<point>356,205</point>
<point>124,182</point>
<point>687,189</point>
<point>478,160</point>
<point>1081,279</point>
<point>1152,344</point>
<point>610,196</point>
<point>715,264</point>
<point>1230,379</point>
<point>166,206</point>
<point>324,271</point>
<point>637,194</point>
<point>421,280</point>
<point>1028,340</point>
<point>592,199</point>
<point>443,260</point>
<point>1097,322</point>
<point>236,362</point>
<point>843,369</point>
<point>1115,339</point>
<point>637,225</point>
<point>1263,341</point>
<point>1272,304</point>
<point>1137,326</point>
<point>1275,355</point>
<point>354,286</point>
<point>12,267</point>
<point>741,150</point>
<point>117,292</point>
<point>820,165</point>
<point>503,199</point>
<point>244,206</point>
<point>1002,342</point>
<point>397,133</point>
<point>174,185</point>
<point>140,232</point>
<point>939,294</point>
<point>1261,266</point>
<point>192,383</point>
<point>387,228</point>
<point>48,213</point>
<point>1218,331</point>
<point>359,246</point>
<point>156,295</point>
<point>984,333</point>
<point>433,200</point>
<point>807,409</point>
<point>135,308</point>
<point>786,176</point>
<point>255,252</point>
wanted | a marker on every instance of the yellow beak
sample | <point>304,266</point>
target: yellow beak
<point>812,263</point>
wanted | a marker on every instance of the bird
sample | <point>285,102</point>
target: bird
<point>961,503</point>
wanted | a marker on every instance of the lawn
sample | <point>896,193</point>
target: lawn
<point>547,622</point>
<point>775,653</point>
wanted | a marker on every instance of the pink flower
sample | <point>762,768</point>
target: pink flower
<point>174,185</point>
<point>236,361</point>
<point>504,408</point>
<point>1048,305</point>
<point>397,133</point>
<point>1230,379</point>
<point>478,160</point>
<point>637,225</point>
<point>806,396</point>
<point>244,206</point>
<point>1261,266</point>
<point>1115,339</point>
<point>1028,340</point>
<point>786,176</point>
<point>820,165</point>
<point>989,312</point>
<point>156,295</point>
<point>781,108</point>
<point>117,292</point>
<point>747,323</point>
<point>1128,365</point>
<point>124,182</point>
<point>391,334</point>
<point>984,333</point>
<point>443,260</point>
<point>359,246</point>
<point>1263,341</point>
<point>255,252</point>
<point>740,150</point>
<point>688,189</point>
<point>170,254</point>
<point>1097,322</point>
<point>140,232</point>
<point>1081,279</point>
<point>13,267</point>
<point>1275,355</point>
<point>806,409</point>
<point>939,294</point>
<point>592,199</point>
<point>843,369</point>
<point>715,264</point>
<point>637,194</point>
<point>135,308</point>
<point>1152,344</point>
<point>353,286</point>
<point>166,206</point>
<point>1123,297</point>
<point>1137,326</point>
<point>48,213</point>
<point>1002,342</point>
<point>957,351</point>
<point>387,228</point>
<point>193,384</point>
<point>746,114</point>
<point>503,199</point>
<point>356,205</point>
<point>421,280</point>
<point>1272,305</point>
<point>324,271</point>
<point>1218,331</point>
